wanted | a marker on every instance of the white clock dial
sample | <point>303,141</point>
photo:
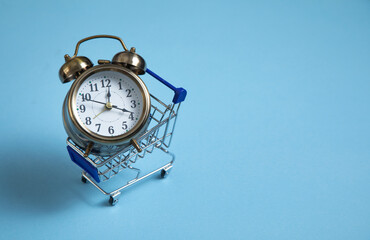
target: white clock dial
<point>109,103</point>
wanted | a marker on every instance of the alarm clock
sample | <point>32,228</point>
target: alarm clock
<point>108,105</point>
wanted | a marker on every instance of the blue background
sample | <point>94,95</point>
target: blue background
<point>271,143</point>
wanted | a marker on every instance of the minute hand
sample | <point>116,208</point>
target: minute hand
<point>97,102</point>
<point>113,106</point>
<point>122,109</point>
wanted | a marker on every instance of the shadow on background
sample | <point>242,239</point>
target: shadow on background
<point>45,181</point>
<point>40,181</point>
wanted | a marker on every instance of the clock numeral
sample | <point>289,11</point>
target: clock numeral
<point>106,80</point>
<point>131,116</point>
<point>133,103</point>
<point>128,93</point>
<point>94,88</point>
<point>88,120</point>
<point>82,108</point>
<point>120,85</point>
<point>111,130</point>
<point>86,97</point>
<point>124,125</point>
<point>98,125</point>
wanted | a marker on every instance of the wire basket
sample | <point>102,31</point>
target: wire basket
<point>97,169</point>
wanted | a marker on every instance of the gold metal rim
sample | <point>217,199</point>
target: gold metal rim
<point>72,111</point>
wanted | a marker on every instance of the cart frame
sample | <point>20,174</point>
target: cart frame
<point>159,135</point>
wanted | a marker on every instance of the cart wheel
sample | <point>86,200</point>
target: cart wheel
<point>164,173</point>
<point>113,201</point>
<point>83,179</point>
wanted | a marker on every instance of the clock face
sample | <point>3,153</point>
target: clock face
<point>109,103</point>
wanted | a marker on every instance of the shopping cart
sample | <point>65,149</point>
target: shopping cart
<point>98,169</point>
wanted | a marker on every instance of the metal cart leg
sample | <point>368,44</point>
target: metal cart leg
<point>114,195</point>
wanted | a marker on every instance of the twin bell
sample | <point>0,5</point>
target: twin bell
<point>76,65</point>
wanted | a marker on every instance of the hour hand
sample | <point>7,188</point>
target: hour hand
<point>108,94</point>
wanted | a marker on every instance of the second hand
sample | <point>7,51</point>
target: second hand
<point>108,106</point>
<point>105,109</point>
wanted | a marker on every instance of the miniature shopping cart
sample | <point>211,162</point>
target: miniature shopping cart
<point>98,169</point>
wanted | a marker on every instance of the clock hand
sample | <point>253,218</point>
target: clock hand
<point>112,106</point>
<point>122,109</point>
<point>105,109</point>
<point>97,102</point>
<point>109,95</point>
<point>108,106</point>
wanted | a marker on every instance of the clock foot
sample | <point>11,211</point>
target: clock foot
<point>88,149</point>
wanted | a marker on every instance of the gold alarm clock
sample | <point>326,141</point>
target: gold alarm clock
<point>108,105</point>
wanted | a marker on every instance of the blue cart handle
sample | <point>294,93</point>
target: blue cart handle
<point>180,93</point>
<point>85,165</point>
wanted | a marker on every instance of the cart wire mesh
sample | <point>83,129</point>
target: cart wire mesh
<point>159,135</point>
